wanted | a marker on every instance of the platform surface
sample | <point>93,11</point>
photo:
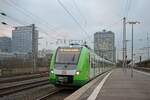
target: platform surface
<point>121,86</point>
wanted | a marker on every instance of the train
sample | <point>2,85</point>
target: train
<point>76,66</point>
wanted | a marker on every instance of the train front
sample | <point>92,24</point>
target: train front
<point>63,69</point>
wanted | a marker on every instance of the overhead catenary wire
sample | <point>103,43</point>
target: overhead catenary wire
<point>35,17</point>
<point>39,19</point>
<point>18,22</point>
<point>127,8</point>
<point>29,15</point>
<point>18,9</point>
<point>74,19</point>
<point>6,16</point>
<point>46,33</point>
<point>111,24</point>
<point>79,11</point>
<point>41,30</point>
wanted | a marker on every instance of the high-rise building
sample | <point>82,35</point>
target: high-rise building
<point>104,45</point>
<point>25,39</point>
<point>5,44</point>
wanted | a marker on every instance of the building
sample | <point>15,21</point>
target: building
<point>6,55</point>
<point>5,44</point>
<point>104,45</point>
<point>25,39</point>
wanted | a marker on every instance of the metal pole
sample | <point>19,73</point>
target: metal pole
<point>124,40</point>
<point>33,48</point>
<point>132,23</point>
<point>125,47</point>
<point>148,46</point>
<point>132,53</point>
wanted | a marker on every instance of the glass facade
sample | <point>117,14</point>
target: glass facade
<point>104,45</point>
<point>22,39</point>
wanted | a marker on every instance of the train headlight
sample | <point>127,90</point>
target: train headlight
<point>77,72</point>
<point>52,71</point>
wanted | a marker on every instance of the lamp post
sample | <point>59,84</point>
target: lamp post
<point>132,23</point>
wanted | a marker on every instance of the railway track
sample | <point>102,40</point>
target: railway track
<point>15,87</point>
<point>22,77</point>
<point>58,94</point>
<point>53,91</point>
<point>143,69</point>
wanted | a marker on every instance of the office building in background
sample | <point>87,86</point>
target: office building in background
<point>104,45</point>
<point>5,44</point>
<point>25,39</point>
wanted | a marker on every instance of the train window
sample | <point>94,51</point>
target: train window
<point>67,56</point>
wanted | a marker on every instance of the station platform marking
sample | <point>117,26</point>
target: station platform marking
<point>98,88</point>
<point>142,72</point>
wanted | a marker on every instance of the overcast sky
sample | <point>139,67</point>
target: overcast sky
<point>93,15</point>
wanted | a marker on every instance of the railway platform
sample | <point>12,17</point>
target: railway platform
<point>116,85</point>
<point>119,85</point>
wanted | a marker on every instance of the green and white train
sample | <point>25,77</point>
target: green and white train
<point>75,66</point>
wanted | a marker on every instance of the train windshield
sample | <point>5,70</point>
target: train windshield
<point>67,55</point>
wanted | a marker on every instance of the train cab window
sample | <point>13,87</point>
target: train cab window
<point>67,55</point>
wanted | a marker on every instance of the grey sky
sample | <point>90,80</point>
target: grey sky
<point>93,15</point>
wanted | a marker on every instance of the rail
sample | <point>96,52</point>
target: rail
<point>143,69</point>
<point>54,91</point>
<point>6,90</point>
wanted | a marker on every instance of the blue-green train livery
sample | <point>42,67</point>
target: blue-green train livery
<point>75,66</point>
